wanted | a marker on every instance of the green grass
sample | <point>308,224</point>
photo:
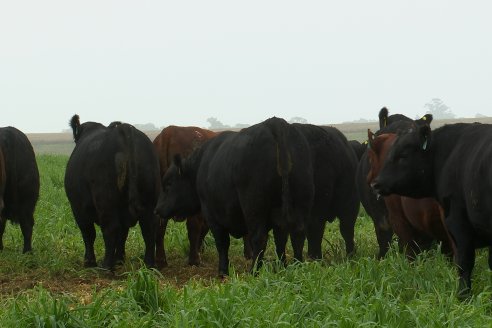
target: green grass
<point>49,288</point>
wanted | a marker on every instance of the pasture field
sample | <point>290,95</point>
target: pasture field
<point>50,287</point>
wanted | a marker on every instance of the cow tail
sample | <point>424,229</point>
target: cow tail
<point>284,166</point>
<point>75,125</point>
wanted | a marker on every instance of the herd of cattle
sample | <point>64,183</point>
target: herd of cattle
<point>421,185</point>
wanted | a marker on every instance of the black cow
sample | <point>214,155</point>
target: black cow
<point>245,182</point>
<point>19,183</point>
<point>452,164</point>
<point>373,205</point>
<point>335,195</point>
<point>358,148</point>
<point>112,179</point>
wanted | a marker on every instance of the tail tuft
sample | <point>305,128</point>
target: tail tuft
<point>75,124</point>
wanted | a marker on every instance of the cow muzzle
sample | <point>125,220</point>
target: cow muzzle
<point>378,189</point>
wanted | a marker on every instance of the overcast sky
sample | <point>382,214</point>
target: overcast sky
<point>180,62</point>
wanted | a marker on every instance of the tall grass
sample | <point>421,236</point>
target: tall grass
<point>49,288</point>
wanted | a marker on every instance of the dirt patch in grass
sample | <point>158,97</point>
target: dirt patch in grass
<point>84,282</point>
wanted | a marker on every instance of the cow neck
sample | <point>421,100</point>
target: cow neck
<point>192,163</point>
<point>443,142</point>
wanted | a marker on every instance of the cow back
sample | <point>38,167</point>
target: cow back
<point>175,140</point>
<point>21,173</point>
<point>113,166</point>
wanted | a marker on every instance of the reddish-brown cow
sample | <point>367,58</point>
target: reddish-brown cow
<point>171,141</point>
<point>416,222</point>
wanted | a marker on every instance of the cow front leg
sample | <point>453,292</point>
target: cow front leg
<point>461,232</point>
<point>194,226</point>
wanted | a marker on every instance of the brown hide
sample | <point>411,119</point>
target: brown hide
<point>416,222</point>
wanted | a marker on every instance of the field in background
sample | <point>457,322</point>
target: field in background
<point>62,143</point>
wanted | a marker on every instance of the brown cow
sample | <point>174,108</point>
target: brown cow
<point>416,222</point>
<point>171,141</point>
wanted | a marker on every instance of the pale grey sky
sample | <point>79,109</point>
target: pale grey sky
<point>180,62</point>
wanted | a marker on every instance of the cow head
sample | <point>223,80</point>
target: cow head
<point>407,170</point>
<point>179,197</point>
<point>401,120</point>
<point>377,152</point>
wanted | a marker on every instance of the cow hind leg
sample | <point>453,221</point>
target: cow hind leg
<point>88,232</point>
<point>119,256</point>
<point>297,239</point>
<point>280,237</point>
<point>347,227</point>
<point>26,225</point>
<point>160,251</point>
<point>111,234</point>
<point>247,250</point>
<point>3,222</point>
<point>315,231</point>
<point>203,233</point>
<point>147,226</point>
<point>259,238</point>
<point>222,243</point>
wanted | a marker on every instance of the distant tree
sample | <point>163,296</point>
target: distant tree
<point>215,124</point>
<point>146,127</point>
<point>360,120</point>
<point>298,119</point>
<point>438,109</point>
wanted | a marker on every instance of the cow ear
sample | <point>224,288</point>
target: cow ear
<point>179,163</point>
<point>426,119</point>
<point>424,132</point>
<point>383,117</point>
<point>370,139</point>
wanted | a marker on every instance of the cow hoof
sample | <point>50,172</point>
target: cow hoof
<point>90,264</point>
<point>161,264</point>
<point>194,262</point>
<point>464,294</point>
